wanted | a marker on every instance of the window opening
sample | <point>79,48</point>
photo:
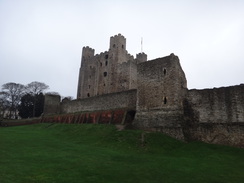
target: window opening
<point>101,64</point>
<point>106,56</point>
<point>88,94</point>
<point>122,46</point>
<point>165,100</point>
<point>164,71</point>
<point>105,74</point>
<point>114,45</point>
<point>106,63</point>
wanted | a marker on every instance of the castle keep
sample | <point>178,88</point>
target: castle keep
<point>108,72</point>
<point>116,88</point>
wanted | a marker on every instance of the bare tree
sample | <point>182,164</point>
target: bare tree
<point>12,93</point>
<point>35,88</point>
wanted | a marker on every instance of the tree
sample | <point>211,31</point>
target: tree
<point>12,93</point>
<point>4,104</point>
<point>27,105</point>
<point>35,88</point>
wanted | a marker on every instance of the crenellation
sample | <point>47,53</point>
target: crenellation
<point>87,51</point>
<point>156,92</point>
<point>108,72</point>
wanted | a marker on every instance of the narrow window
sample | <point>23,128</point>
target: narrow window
<point>104,84</point>
<point>101,64</point>
<point>106,63</point>
<point>122,46</point>
<point>105,74</point>
<point>114,45</point>
<point>88,94</point>
<point>106,56</point>
<point>165,100</point>
<point>164,71</point>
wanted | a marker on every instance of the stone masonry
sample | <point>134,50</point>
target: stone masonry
<point>108,72</point>
<point>150,95</point>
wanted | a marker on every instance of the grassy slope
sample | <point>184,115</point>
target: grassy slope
<point>99,153</point>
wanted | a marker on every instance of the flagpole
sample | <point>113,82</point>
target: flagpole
<point>141,44</point>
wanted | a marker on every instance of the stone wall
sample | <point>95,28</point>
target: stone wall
<point>120,100</point>
<point>215,115</point>
<point>161,91</point>
<point>51,104</point>
<point>218,105</point>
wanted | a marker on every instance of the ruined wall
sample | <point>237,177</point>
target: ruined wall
<point>215,115</point>
<point>51,104</point>
<point>161,90</point>
<point>118,100</point>
<point>218,105</point>
<point>87,72</point>
<point>161,99</point>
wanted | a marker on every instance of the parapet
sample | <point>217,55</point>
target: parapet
<point>118,41</point>
<point>118,36</point>
<point>88,52</point>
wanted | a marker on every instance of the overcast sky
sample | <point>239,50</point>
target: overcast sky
<point>41,40</point>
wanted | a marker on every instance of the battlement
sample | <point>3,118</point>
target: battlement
<point>119,35</point>
<point>118,42</point>
<point>87,52</point>
<point>156,95</point>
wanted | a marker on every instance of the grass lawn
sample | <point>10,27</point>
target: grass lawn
<point>99,153</point>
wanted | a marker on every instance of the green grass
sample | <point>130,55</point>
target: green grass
<point>99,153</point>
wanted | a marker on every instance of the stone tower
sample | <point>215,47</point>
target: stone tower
<point>86,74</point>
<point>160,93</point>
<point>108,72</point>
